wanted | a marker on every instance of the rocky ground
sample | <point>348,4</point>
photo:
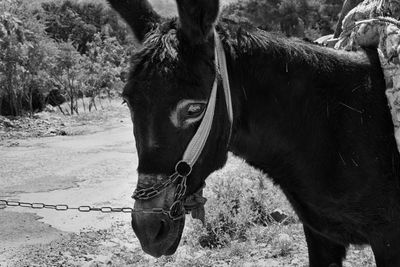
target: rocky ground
<point>52,123</point>
<point>90,158</point>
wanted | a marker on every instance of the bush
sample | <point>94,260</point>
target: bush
<point>300,18</point>
<point>236,204</point>
<point>77,48</point>
<point>23,57</point>
<point>78,22</point>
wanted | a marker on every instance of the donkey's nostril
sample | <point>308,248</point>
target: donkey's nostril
<point>163,231</point>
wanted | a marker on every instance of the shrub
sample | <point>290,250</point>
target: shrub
<point>238,202</point>
<point>301,18</point>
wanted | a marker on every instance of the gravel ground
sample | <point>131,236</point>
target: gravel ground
<point>117,246</point>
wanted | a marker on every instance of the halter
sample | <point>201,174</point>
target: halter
<point>183,168</point>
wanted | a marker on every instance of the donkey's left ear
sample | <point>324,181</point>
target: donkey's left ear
<point>139,15</point>
<point>197,18</point>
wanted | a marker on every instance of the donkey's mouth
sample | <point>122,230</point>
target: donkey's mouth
<point>172,249</point>
<point>158,235</point>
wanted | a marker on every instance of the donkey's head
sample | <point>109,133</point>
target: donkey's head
<point>168,93</point>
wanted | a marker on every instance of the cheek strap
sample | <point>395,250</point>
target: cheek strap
<point>196,145</point>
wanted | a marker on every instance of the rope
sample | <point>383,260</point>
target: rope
<point>379,19</point>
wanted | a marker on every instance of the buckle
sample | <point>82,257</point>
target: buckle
<point>183,168</point>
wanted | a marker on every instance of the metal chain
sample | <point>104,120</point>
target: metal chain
<point>156,189</point>
<point>61,207</point>
<point>177,209</point>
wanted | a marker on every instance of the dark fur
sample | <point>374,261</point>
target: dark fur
<point>139,15</point>
<point>315,119</point>
<point>197,18</point>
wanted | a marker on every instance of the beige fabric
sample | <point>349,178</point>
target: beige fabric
<point>389,48</point>
<point>196,202</point>
<point>353,36</point>
<point>196,145</point>
<point>366,25</point>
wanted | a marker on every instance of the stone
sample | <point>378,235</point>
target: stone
<point>278,216</point>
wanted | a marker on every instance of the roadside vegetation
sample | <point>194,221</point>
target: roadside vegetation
<point>56,51</point>
<point>60,51</point>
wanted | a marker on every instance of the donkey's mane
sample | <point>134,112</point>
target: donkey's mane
<point>160,51</point>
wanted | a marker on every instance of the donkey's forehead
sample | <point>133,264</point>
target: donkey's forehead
<point>163,70</point>
<point>178,82</point>
<point>159,53</point>
<point>168,88</point>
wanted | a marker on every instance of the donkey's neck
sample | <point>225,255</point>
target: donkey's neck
<point>283,103</point>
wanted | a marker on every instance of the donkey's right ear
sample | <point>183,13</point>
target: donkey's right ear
<point>197,18</point>
<point>139,15</point>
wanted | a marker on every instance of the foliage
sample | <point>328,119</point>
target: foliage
<point>301,18</point>
<point>264,14</point>
<point>79,49</point>
<point>79,22</point>
<point>23,57</point>
<point>237,202</point>
<point>66,72</point>
<point>107,65</point>
<point>82,48</point>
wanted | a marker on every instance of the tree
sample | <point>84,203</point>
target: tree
<point>293,14</point>
<point>106,68</point>
<point>14,46</point>
<point>79,22</point>
<point>24,57</point>
<point>264,14</point>
<point>302,18</point>
<point>66,70</point>
<point>79,48</point>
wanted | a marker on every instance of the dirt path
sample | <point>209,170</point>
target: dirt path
<point>96,169</point>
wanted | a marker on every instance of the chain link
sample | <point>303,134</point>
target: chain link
<point>156,189</point>
<point>175,212</point>
<point>61,207</point>
<point>177,209</point>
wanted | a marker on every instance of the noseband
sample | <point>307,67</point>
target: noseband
<point>183,168</point>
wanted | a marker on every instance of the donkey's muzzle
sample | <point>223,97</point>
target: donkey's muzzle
<point>157,233</point>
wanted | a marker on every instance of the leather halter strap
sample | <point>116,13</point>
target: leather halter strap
<point>196,145</point>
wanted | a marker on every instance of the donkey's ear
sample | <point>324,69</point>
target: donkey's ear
<point>139,15</point>
<point>197,18</point>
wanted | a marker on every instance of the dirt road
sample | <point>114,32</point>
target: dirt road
<point>96,169</point>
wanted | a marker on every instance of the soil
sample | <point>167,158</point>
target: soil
<point>94,169</point>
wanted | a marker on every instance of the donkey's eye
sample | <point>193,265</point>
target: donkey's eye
<point>194,110</point>
<point>187,112</point>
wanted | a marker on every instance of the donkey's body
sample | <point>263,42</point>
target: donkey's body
<point>316,120</point>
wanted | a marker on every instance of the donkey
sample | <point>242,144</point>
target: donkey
<point>314,119</point>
